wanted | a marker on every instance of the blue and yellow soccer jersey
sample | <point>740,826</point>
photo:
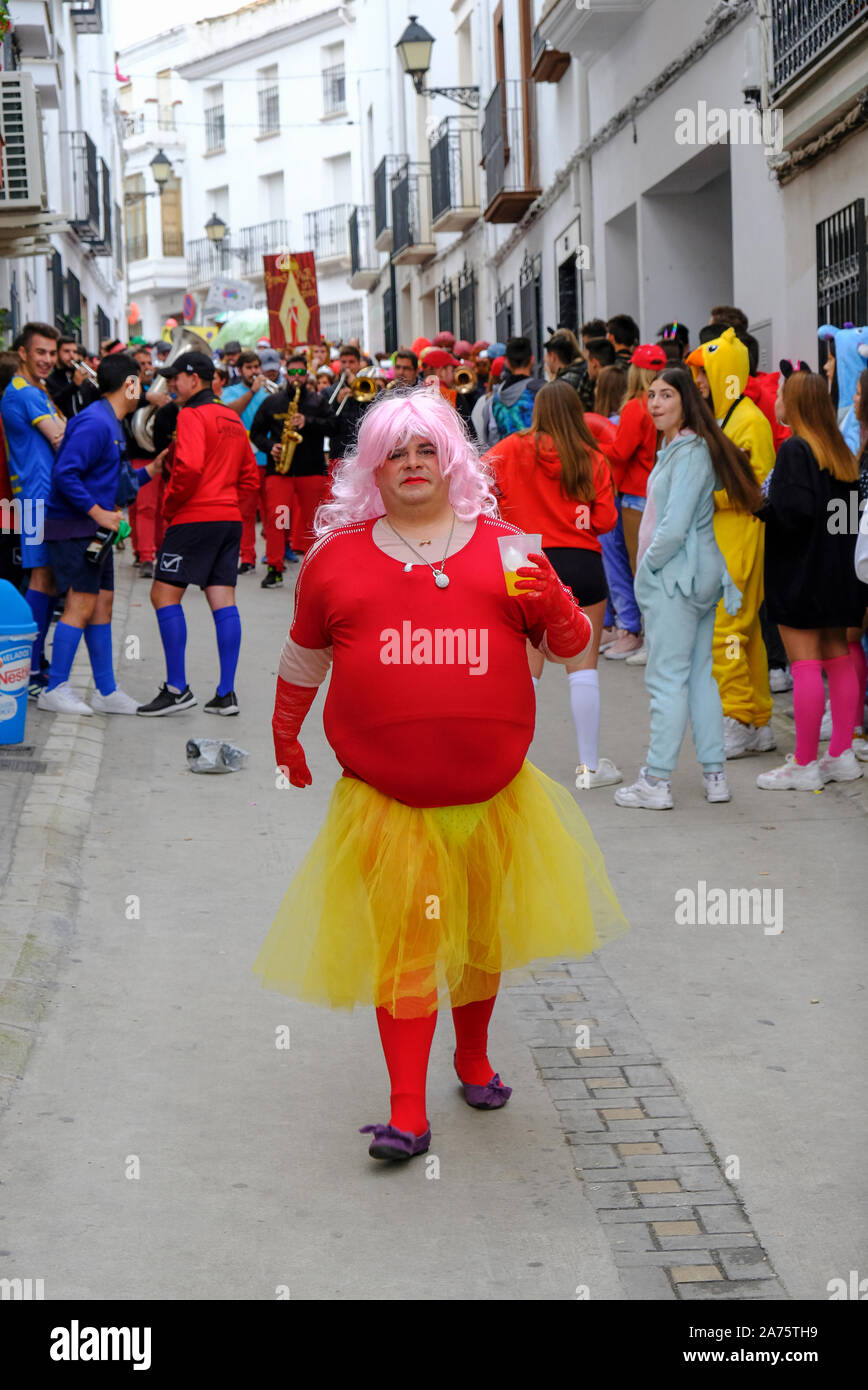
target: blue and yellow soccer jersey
<point>29,453</point>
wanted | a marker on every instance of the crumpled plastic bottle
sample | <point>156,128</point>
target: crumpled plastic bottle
<point>214,755</point>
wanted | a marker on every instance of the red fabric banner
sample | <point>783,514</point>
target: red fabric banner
<point>293,301</point>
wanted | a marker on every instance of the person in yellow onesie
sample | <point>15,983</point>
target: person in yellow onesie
<point>721,369</point>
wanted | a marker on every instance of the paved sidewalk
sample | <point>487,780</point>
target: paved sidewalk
<point>162,1144</point>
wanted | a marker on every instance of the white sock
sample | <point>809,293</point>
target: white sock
<point>585,705</point>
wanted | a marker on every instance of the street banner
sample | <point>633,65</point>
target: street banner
<point>224,295</point>
<point>293,301</point>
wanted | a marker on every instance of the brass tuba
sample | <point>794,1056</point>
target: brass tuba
<point>142,422</point>
<point>465,380</point>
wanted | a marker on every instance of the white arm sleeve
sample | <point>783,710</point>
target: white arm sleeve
<point>304,665</point>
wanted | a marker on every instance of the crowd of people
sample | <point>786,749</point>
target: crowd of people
<point>687,499</point>
<point>661,504</point>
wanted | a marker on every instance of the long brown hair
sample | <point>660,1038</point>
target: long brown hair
<point>610,389</point>
<point>732,469</point>
<point>558,412</point>
<point>638,381</point>
<point>811,416</point>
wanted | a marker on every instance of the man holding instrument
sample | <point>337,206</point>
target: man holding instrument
<point>297,492</point>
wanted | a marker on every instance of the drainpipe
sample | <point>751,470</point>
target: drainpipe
<point>590,294</point>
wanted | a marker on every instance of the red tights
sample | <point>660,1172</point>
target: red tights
<point>407,1045</point>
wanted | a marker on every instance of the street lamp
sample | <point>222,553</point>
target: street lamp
<point>161,168</point>
<point>414,49</point>
<point>215,230</point>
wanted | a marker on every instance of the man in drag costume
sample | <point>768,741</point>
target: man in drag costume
<point>446,857</point>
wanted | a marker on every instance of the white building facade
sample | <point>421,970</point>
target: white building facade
<point>61,258</point>
<point>626,165</point>
<point>254,110</point>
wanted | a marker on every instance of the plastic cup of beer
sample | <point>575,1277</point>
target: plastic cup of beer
<point>514,551</point>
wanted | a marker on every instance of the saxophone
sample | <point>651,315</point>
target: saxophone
<point>291,438</point>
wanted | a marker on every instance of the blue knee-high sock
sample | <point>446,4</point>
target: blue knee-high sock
<point>98,638</point>
<point>173,631</point>
<point>42,607</point>
<point>228,624</point>
<point>66,640</point>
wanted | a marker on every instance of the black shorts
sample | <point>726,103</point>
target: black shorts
<point>73,571</point>
<point>581,570</point>
<point>200,552</point>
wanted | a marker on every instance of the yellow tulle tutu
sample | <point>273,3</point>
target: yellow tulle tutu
<point>408,908</point>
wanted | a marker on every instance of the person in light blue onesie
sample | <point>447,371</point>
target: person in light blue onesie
<point>680,577</point>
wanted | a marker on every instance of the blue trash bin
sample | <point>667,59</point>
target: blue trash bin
<point>17,635</point>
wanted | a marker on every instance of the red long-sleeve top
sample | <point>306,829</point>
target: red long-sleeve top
<point>531,495</point>
<point>213,464</point>
<point>634,449</point>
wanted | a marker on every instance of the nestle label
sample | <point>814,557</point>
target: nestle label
<point>14,669</point>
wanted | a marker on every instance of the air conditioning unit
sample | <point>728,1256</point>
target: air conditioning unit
<point>22,155</point>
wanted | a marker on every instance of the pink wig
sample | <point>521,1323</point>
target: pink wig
<point>387,425</point>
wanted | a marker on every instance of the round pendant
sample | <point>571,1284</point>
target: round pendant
<point>407,568</point>
<point>441,580</point>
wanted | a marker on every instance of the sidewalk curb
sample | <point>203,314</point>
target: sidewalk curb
<point>42,893</point>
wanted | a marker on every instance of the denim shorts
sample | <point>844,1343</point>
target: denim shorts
<point>629,499</point>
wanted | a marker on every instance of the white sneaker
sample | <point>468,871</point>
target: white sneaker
<point>780,679</point>
<point>844,768</point>
<point>645,795</point>
<point>608,637</point>
<point>792,776</point>
<point>119,702</point>
<point>626,645</point>
<point>826,726</point>
<point>764,740</point>
<point>62,700</point>
<point>606,775</point>
<point>860,749</point>
<point>716,786</point>
<point>639,658</point>
<point>738,738</point>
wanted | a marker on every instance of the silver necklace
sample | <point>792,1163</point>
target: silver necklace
<point>440,578</point>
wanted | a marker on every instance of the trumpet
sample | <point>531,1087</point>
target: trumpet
<point>270,386</point>
<point>465,380</point>
<point>87,369</point>
<point>363,388</point>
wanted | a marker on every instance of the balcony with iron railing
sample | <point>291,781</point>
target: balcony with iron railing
<point>383,175</point>
<point>215,130</point>
<point>86,16</point>
<point>334,90</point>
<point>413,239</point>
<point>364,259</point>
<point>150,118</point>
<point>262,239</point>
<point>805,32</point>
<point>326,233</point>
<point>548,64</point>
<point>207,259</point>
<point>81,184</point>
<point>509,151</point>
<point>454,150</point>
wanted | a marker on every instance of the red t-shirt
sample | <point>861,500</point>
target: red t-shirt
<point>531,495</point>
<point>633,451</point>
<point>430,699</point>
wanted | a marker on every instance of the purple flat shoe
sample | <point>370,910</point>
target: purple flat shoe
<point>491,1096</point>
<point>392,1143</point>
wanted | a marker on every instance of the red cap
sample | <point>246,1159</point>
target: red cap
<point>462,348</point>
<point>444,339</point>
<point>497,366</point>
<point>439,357</point>
<point>479,346</point>
<point>649,355</point>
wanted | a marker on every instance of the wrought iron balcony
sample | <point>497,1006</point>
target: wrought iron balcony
<point>82,190</point>
<point>805,30</point>
<point>548,63</point>
<point>104,246</point>
<point>207,259</point>
<point>326,233</point>
<point>364,259</point>
<point>454,179</point>
<point>413,239</point>
<point>509,151</point>
<point>383,175</point>
<point>262,239</point>
<point>152,118</point>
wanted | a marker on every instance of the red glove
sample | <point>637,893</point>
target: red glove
<point>568,629</point>
<point>291,704</point>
